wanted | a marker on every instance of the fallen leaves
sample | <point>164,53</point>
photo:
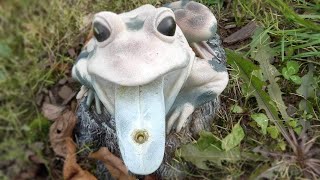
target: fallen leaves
<point>72,170</point>
<point>244,33</point>
<point>60,130</point>
<point>114,165</point>
<point>233,139</point>
<point>66,94</point>
<point>63,145</point>
<point>51,111</point>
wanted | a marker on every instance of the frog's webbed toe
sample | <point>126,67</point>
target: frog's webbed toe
<point>82,92</point>
<point>208,78</point>
<point>195,20</point>
<point>179,117</point>
<point>91,95</point>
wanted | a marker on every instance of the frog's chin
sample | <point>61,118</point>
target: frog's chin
<point>140,126</point>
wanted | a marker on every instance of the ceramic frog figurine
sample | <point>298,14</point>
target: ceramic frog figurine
<point>150,68</point>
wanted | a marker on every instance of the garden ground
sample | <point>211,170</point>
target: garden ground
<point>268,123</point>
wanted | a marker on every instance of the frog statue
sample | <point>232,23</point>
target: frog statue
<point>148,70</point>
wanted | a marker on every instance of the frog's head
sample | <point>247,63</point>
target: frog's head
<point>140,61</point>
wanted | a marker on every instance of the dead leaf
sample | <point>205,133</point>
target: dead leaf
<point>60,130</point>
<point>242,34</point>
<point>72,170</point>
<point>46,100</point>
<point>51,111</point>
<point>65,92</point>
<point>90,35</point>
<point>52,98</point>
<point>114,164</point>
<point>63,81</point>
<point>72,53</point>
<point>66,101</point>
<point>230,26</point>
<point>39,98</point>
<point>150,177</point>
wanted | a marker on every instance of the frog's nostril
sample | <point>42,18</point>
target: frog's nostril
<point>140,136</point>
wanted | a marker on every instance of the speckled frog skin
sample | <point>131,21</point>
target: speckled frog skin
<point>150,68</point>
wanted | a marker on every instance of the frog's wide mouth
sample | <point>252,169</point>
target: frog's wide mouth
<point>140,125</point>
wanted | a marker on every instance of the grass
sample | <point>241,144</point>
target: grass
<point>35,37</point>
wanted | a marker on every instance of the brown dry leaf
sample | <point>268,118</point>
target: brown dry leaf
<point>66,101</point>
<point>72,170</point>
<point>63,81</point>
<point>114,164</point>
<point>65,92</point>
<point>51,111</point>
<point>72,53</point>
<point>244,33</point>
<point>150,177</point>
<point>90,35</point>
<point>60,130</point>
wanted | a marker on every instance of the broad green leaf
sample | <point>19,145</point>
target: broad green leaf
<point>298,130</point>
<point>245,68</point>
<point>236,109</point>
<point>263,53</point>
<point>282,145</point>
<point>262,120</point>
<point>306,106</point>
<point>3,74</point>
<point>5,50</point>
<point>285,73</point>
<point>192,153</point>
<point>247,90</point>
<point>273,131</point>
<point>293,123</point>
<point>292,67</point>
<point>307,89</point>
<point>262,172</point>
<point>234,138</point>
<point>208,139</point>
<point>296,79</point>
<point>258,74</point>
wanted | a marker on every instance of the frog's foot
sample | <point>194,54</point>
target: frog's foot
<point>84,91</point>
<point>179,117</point>
<point>203,50</point>
<point>92,95</point>
<point>195,20</point>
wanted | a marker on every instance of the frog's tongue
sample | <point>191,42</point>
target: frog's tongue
<point>140,126</point>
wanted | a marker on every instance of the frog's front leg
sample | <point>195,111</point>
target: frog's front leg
<point>208,78</point>
<point>80,73</point>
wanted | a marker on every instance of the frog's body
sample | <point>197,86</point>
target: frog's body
<point>142,68</point>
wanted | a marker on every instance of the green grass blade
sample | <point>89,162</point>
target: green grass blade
<point>290,14</point>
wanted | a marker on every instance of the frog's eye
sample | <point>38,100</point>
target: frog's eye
<point>167,26</point>
<point>100,32</point>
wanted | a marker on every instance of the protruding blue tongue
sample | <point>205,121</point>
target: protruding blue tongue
<point>140,126</point>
